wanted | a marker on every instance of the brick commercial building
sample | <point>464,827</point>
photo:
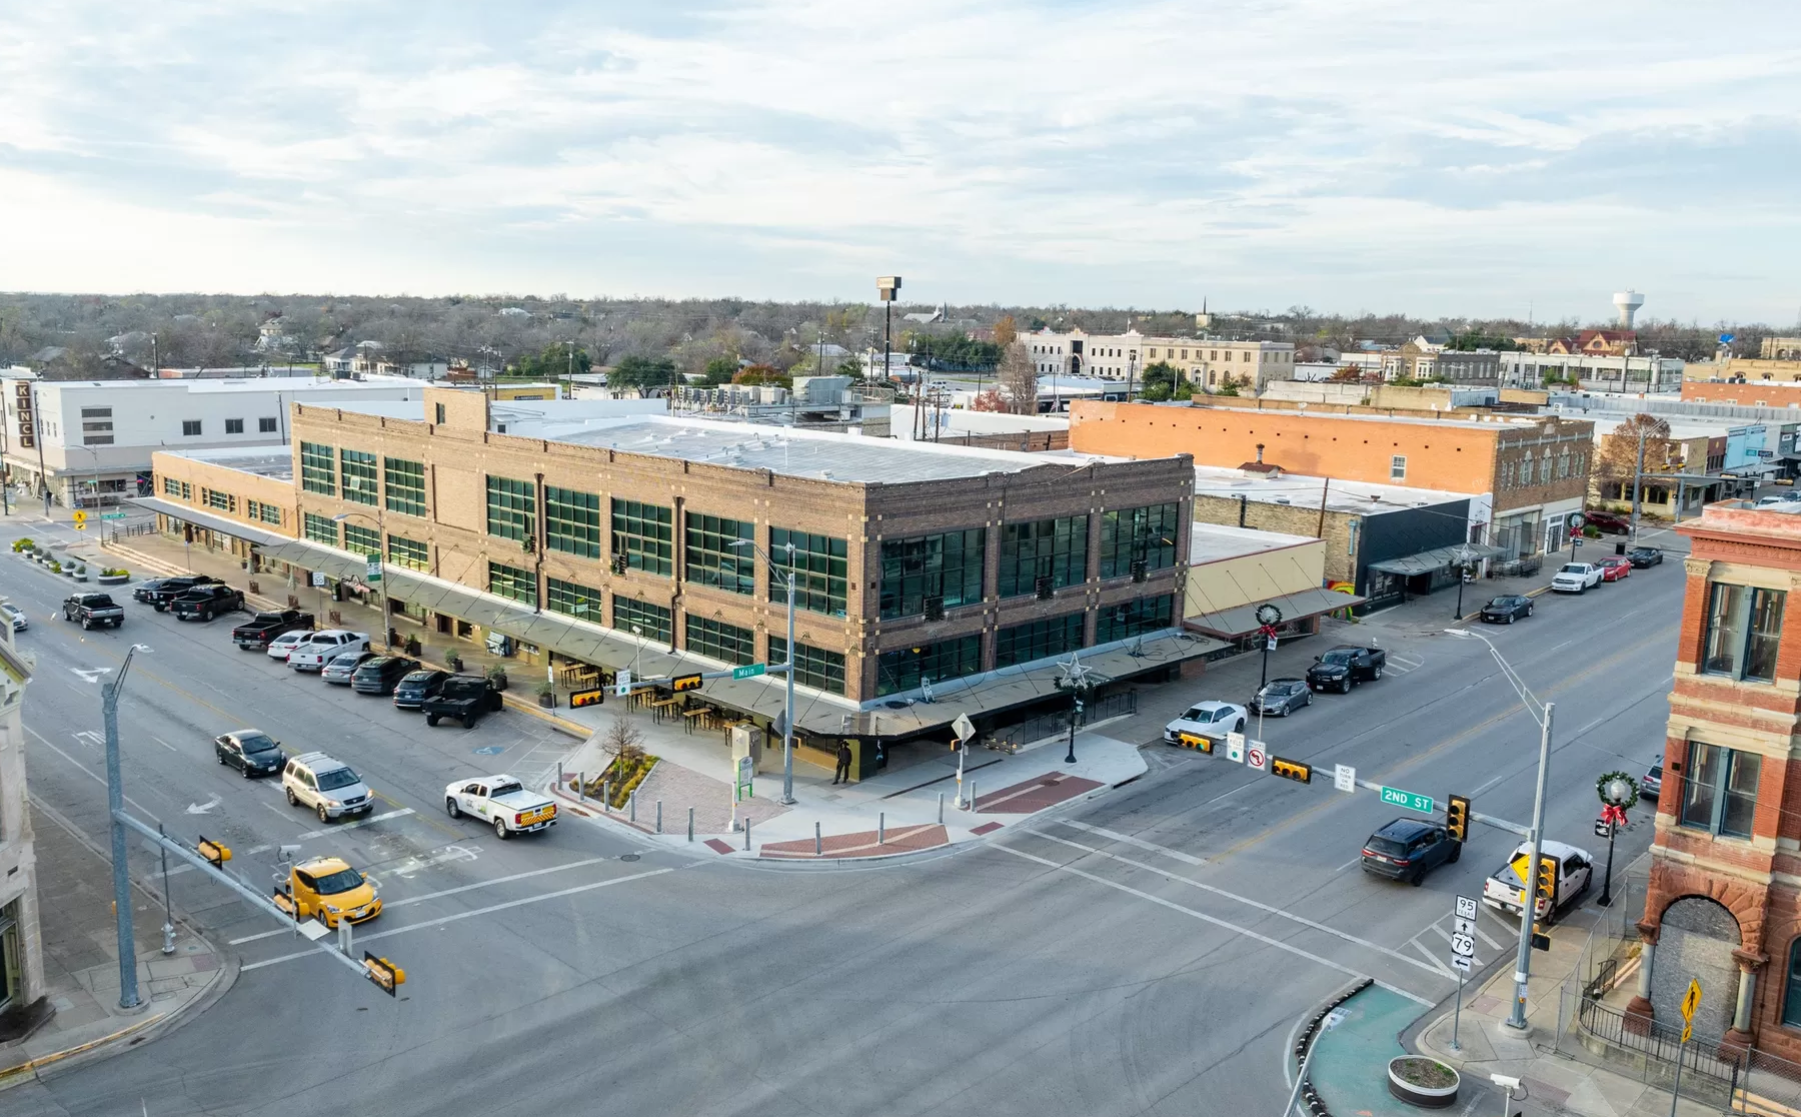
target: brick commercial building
<point>1724,902</point>
<point>1205,362</point>
<point>1528,473</point>
<point>572,537</point>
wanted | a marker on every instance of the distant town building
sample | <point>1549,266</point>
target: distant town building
<point>1207,363</point>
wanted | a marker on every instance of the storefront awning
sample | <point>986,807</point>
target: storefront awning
<point>216,524</point>
<point>1438,558</point>
<point>1242,620</point>
<point>764,695</point>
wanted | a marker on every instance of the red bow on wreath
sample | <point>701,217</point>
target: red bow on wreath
<point>1268,630</point>
<point>1614,814</point>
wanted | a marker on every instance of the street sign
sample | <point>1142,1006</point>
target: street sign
<point>373,572</point>
<point>319,578</point>
<point>1344,777</point>
<point>1688,1032</point>
<point>1255,758</point>
<point>1460,962</point>
<point>750,670</point>
<point>112,515</point>
<point>1463,946</point>
<point>79,517</point>
<point>746,773</point>
<point>963,728</point>
<point>1691,999</point>
<point>1235,747</point>
<point>1271,645</point>
<point>1462,926</point>
<point>622,683</point>
<point>1466,907</point>
<point>1603,828</point>
<point>1394,796</point>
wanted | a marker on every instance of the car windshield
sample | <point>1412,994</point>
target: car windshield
<point>1379,844</point>
<point>1573,568</point>
<point>336,778</point>
<point>418,678</point>
<point>348,659</point>
<point>256,742</point>
<point>1338,658</point>
<point>341,881</point>
<point>1278,690</point>
<point>1195,713</point>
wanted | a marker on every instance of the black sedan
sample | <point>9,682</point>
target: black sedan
<point>1641,557</point>
<point>250,751</point>
<point>1506,609</point>
<point>411,692</point>
<point>1409,848</point>
<point>1282,697</point>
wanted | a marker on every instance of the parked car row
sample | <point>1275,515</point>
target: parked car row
<point>344,658</point>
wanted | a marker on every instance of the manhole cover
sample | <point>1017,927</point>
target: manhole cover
<point>628,857</point>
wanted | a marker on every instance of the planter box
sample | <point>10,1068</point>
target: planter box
<point>1426,1097</point>
<point>113,579</point>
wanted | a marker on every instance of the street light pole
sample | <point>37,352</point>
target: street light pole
<point>788,703</point>
<point>381,567</point>
<point>115,803</point>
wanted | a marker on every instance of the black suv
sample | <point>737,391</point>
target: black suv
<point>164,590</point>
<point>204,602</point>
<point>413,690</point>
<point>1343,666</point>
<point>382,674</point>
<point>1409,848</point>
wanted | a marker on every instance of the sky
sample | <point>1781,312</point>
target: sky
<point>1481,159</point>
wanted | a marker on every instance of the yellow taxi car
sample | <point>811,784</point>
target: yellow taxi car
<point>329,890</point>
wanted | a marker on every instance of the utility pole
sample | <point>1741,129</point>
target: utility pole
<point>115,802</point>
<point>1522,969</point>
<point>1638,483</point>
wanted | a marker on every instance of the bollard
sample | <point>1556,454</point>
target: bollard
<point>941,808</point>
<point>344,938</point>
<point>972,798</point>
<point>881,828</point>
<point>818,846</point>
<point>659,816</point>
<point>560,783</point>
<point>631,806</point>
<point>747,835</point>
<point>606,796</point>
<point>581,786</point>
<point>690,823</point>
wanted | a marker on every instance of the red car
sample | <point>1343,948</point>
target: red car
<point>1607,523</point>
<point>1614,568</point>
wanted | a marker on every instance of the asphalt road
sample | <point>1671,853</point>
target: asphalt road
<point>1149,953</point>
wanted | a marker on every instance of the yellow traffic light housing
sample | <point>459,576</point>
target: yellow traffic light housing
<point>685,682</point>
<point>1457,817</point>
<point>214,852</point>
<point>1195,741</point>
<point>1545,883</point>
<point>386,975</point>
<point>1291,770</point>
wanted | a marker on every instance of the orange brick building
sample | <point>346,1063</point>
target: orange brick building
<point>1749,393</point>
<point>1533,471</point>
<point>1724,902</point>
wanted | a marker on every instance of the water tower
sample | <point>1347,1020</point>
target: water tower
<point>1627,303</point>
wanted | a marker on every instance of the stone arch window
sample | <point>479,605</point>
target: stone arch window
<point>1791,989</point>
<point>1696,938</point>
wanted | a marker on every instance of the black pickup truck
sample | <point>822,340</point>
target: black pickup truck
<point>465,697</point>
<point>264,627</point>
<point>93,609</point>
<point>162,591</point>
<point>205,602</point>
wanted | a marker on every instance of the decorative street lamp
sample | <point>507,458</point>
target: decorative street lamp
<point>1618,792</point>
<point>1078,681</point>
<point>1268,617</point>
<point>1463,575</point>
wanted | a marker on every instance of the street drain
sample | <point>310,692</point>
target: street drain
<point>628,857</point>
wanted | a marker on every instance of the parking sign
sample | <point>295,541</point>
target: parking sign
<point>1235,747</point>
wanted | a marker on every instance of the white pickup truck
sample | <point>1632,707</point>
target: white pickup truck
<point>314,652</point>
<point>504,802</point>
<point>1506,889</point>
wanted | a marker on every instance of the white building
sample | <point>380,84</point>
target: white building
<point>1205,362</point>
<point>1650,373</point>
<point>88,442</point>
<point>21,948</point>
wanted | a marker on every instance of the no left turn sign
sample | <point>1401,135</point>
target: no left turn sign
<point>1256,758</point>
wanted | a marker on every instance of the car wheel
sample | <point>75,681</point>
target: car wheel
<point>501,831</point>
<point>1377,673</point>
<point>320,811</point>
<point>451,808</point>
<point>293,800</point>
<point>1510,618</point>
<point>469,721</point>
<point>248,774</point>
<point>1239,728</point>
<point>206,614</point>
<point>431,719</point>
<point>1418,878</point>
<point>87,624</point>
<point>1344,687</point>
<point>1456,852</point>
<point>221,757</point>
<point>1529,609</point>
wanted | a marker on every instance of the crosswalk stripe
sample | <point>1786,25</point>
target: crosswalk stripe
<point>323,830</point>
<point>1127,839</point>
<point>1430,957</point>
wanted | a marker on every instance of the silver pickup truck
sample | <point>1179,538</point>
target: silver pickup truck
<point>503,802</point>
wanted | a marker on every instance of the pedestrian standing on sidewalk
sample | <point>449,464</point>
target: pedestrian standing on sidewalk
<point>843,772</point>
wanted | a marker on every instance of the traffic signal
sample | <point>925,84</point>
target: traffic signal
<point>213,852</point>
<point>1540,940</point>
<point>1457,817</point>
<point>1195,741</point>
<point>685,682</point>
<point>1291,770</point>
<point>1545,884</point>
<point>386,975</point>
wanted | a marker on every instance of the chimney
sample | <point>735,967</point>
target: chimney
<point>1260,453</point>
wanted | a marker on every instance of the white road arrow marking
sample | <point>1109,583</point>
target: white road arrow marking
<point>90,674</point>
<point>89,737</point>
<point>202,808</point>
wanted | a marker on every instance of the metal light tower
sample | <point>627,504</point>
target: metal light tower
<point>887,289</point>
<point>115,802</point>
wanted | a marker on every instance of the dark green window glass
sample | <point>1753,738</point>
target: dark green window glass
<point>1054,549</point>
<point>362,540</point>
<point>644,537</point>
<point>512,508</point>
<point>1023,643</point>
<point>1132,535</point>
<point>1135,618</point>
<point>821,567</point>
<point>512,582</point>
<point>713,561</point>
<point>572,521</point>
<point>572,600</point>
<point>406,486</point>
<point>357,469</point>
<point>726,642</point>
<point>945,568</point>
<point>814,667</point>
<point>911,668</point>
<point>321,529</point>
<point>652,621</point>
<point>409,553</point>
<point>318,469</point>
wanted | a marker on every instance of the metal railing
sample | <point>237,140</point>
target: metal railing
<point>1706,1067</point>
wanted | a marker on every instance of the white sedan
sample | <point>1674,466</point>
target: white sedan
<point>282,645</point>
<point>1212,720</point>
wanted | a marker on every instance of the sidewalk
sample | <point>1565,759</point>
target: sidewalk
<point>81,968</point>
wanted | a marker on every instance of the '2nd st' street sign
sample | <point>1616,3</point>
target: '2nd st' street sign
<point>1411,800</point>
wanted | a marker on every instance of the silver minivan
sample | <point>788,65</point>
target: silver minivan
<point>327,787</point>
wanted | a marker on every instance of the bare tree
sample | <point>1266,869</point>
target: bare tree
<point>1019,380</point>
<point>1617,461</point>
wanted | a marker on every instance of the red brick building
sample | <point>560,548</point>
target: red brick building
<point>1724,903</point>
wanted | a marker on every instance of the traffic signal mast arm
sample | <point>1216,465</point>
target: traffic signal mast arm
<point>1485,819</point>
<point>253,897</point>
<point>693,679</point>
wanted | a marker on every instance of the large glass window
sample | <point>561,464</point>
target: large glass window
<point>512,508</point>
<point>357,470</point>
<point>1022,643</point>
<point>1054,549</point>
<point>1744,628</point>
<point>410,553</point>
<point>224,502</point>
<point>1134,618</point>
<point>265,513</point>
<point>362,540</point>
<point>713,561</point>
<point>572,599</point>
<point>1791,994</point>
<point>644,536</point>
<point>1719,790</point>
<point>1133,535</point>
<point>911,668</point>
<point>726,642</point>
<point>321,529</point>
<point>318,469</point>
<point>406,486</point>
<point>814,667</point>
<point>512,582</point>
<point>652,621</point>
<point>946,569</point>
<point>572,521</point>
<point>821,567</point>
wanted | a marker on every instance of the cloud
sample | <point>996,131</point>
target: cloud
<point>1337,153</point>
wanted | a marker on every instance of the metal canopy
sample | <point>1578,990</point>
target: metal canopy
<point>208,521</point>
<point>1425,562</point>
<point>1241,620</point>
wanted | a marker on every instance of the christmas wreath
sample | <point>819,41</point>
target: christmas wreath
<point>1612,811</point>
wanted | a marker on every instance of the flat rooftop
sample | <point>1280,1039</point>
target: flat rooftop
<point>1500,420</point>
<point>1357,497</point>
<point>275,460</point>
<point>200,386</point>
<point>1218,542</point>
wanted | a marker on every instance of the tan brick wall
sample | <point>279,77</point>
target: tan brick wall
<point>245,487</point>
<point>1291,519</point>
<point>1783,390</point>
